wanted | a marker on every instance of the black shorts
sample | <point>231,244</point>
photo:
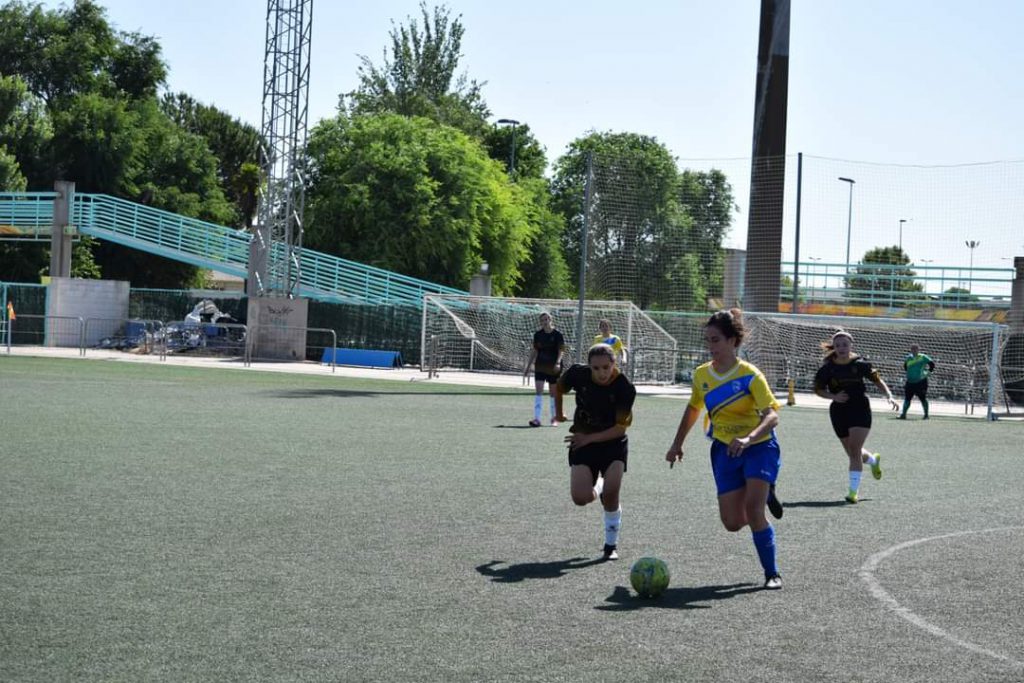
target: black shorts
<point>545,377</point>
<point>919,389</point>
<point>856,412</point>
<point>599,456</point>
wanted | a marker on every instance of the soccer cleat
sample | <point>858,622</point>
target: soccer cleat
<point>851,497</point>
<point>902,417</point>
<point>876,468</point>
<point>555,422</point>
<point>773,583</point>
<point>774,504</point>
<point>535,423</point>
<point>610,552</point>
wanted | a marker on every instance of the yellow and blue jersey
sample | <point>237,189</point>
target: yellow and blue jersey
<point>611,340</point>
<point>734,401</point>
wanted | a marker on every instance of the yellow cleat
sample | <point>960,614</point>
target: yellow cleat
<point>876,469</point>
<point>851,497</point>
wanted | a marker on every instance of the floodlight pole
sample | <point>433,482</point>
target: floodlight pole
<point>584,238</point>
<point>972,245</point>
<point>512,149</point>
<point>849,222</point>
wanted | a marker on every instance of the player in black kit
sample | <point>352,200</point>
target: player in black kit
<point>546,357</point>
<point>840,379</point>
<point>598,446</point>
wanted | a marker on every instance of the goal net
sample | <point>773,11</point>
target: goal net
<point>968,356</point>
<point>493,334</point>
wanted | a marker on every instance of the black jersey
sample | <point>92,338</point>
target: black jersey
<point>548,345</point>
<point>598,407</point>
<point>848,377</point>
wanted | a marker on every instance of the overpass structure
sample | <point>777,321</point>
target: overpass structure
<point>31,216</point>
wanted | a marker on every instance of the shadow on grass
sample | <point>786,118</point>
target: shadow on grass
<point>526,426</point>
<point>676,598</point>
<point>363,393</point>
<point>514,573</point>
<point>816,504</point>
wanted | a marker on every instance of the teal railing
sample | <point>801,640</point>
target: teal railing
<point>26,215</point>
<point>207,245</point>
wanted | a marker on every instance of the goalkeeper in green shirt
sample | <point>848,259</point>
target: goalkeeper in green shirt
<point>918,367</point>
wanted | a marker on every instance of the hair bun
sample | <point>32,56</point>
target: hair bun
<point>736,313</point>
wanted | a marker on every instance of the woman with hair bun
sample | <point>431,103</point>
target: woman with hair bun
<point>840,379</point>
<point>741,415</point>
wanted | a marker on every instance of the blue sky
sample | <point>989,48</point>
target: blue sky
<point>913,82</point>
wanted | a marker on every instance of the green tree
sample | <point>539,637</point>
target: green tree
<point>654,235</point>
<point>530,159</point>
<point>418,75</point>
<point>410,195</point>
<point>707,198</point>
<point>883,275</point>
<point>26,131</point>
<point>87,111</point>
<point>11,179</point>
<point>171,169</point>
<point>957,296</point>
<point>545,273</point>
<point>74,50</point>
<point>236,146</point>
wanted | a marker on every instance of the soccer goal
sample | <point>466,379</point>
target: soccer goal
<point>492,334</point>
<point>968,355</point>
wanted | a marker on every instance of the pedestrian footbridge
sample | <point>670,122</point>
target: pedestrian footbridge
<point>29,216</point>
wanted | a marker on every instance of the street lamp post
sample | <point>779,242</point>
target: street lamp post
<point>972,245</point>
<point>902,221</point>
<point>512,148</point>
<point>849,221</point>
<point>810,275</point>
<point>927,276</point>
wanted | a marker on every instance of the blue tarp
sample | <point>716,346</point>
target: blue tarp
<point>363,358</point>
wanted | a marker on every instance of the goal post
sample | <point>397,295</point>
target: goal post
<point>967,354</point>
<point>494,334</point>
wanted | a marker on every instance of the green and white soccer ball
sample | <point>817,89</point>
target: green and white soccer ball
<point>649,577</point>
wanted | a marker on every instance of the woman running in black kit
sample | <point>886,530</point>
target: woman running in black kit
<point>841,380</point>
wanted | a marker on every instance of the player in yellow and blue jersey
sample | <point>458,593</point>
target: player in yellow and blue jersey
<point>742,415</point>
<point>605,336</point>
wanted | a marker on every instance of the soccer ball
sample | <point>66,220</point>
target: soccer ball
<point>649,577</point>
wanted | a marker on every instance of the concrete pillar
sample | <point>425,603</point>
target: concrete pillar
<point>63,230</point>
<point>277,328</point>
<point>768,165</point>
<point>480,284</point>
<point>732,285</point>
<point>1015,319</point>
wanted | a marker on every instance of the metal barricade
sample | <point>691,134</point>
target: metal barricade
<point>63,331</point>
<point>121,334</point>
<point>204,339</point>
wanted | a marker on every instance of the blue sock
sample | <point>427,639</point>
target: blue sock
<point>764,541</point>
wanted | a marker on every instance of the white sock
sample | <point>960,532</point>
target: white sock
<point>868,458</point>
<point>538,401</point>
<point>612,522</point>
<point>553,414</point>
<point>854,480</point>
<point>598,487</point>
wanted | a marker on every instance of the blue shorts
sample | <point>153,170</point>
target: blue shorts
<point>760,461</point>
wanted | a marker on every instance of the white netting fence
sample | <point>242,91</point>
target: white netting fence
<point>496,335</point>
<point>968,356</point>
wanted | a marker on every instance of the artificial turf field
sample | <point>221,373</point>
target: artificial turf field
<point>178,524</point>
